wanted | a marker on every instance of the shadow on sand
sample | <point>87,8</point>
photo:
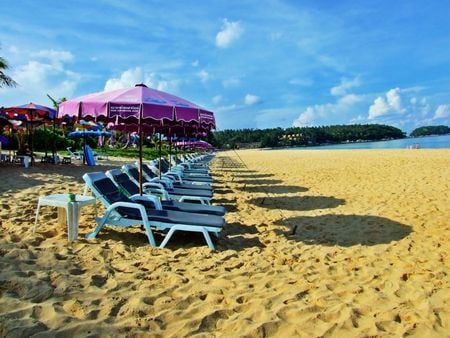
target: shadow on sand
<point>344,230</point>
<point>238,236</point>
<point>23,178</point>
<point>241,236</point>
<point>258,182</point>
<point>297,203</point>
<point>275,189</point>
<point>253,176</point>
<point>229,204</point>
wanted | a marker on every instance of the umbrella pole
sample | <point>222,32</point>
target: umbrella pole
<point>53,141</point>
<point>160,156</point>
<point>30,137</point>
<point>140,149</point>
<point>170,151</point>
<point>84,148</point>
<point>176,151</point>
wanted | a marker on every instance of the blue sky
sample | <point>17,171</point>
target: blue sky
<point>255,63</point>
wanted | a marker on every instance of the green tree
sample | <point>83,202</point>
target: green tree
<point>56,102</point>
<point>306,136</point>
<point>5,80</point>
<point>430,130</point>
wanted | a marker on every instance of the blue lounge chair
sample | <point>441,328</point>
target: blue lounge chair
<point>124,211</point>
<point>199,195</point>
<point>174,180</point>
<point>130,188</point>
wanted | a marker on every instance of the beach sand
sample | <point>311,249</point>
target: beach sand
<point>331,243</point>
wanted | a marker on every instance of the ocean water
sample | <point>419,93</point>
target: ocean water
<point>427,142</point>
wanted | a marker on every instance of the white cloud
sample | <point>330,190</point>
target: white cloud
<point>231,82</point>
<point>349,100</point>
<point>250,100</point>
<point>301,82</point>
<point>230,32</point>
<point>306,118</point>
<point>325,113</point>
<point>388,105</point>
<point>358,119</point>
<point>217,99</point>
<point>274,36</point>
<point>203,75</point>
<point>378,108</point>
<point>442,112</point>
<point>128,78</point>
<point>13,50</point>
<point>36,79</point>
<point>136,75</point>
<point>55,55</point>
<point>394,100</point>
<point>345,85</point>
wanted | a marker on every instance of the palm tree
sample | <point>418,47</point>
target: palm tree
<point>56,102</point>
<point>5,80</point>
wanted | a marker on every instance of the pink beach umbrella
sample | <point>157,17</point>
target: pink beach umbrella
<point>138,106</point>
<point>201,145</point>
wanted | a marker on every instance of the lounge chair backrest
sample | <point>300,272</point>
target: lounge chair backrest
<point>124,182</point>
<point>110,191</point>
<point>112,194</point>
<point>148,171</point>
<point>133,172</point>
<point>163,165</point>
<point>105,189</point>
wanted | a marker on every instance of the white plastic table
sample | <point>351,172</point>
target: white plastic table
<point>68,212</point>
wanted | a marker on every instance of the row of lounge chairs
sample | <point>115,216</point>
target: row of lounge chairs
<point>177,200</point>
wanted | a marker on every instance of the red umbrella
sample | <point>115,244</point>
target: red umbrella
<point>32,114</point>
<point>31,111</point>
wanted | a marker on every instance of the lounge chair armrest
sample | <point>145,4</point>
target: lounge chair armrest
<point>138,206</point>
<point>154,199</point>
<point>160,193</point>
<point>207,184</point>
<point>165,181</point>
<point>153,184</point>
<point>202,200</point>
<point>175,175</point>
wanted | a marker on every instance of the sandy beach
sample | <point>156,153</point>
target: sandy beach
<point>318,243</point>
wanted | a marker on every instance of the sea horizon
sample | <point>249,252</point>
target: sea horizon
<point>423,142</point>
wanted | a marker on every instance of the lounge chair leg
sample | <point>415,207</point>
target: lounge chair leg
<point>167,238</point>
<point>149,232</point>
<point>208,239</point>
<point>36,218</point>
<point>100,223</point>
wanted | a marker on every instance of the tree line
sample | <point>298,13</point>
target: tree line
<point>430,130</point>
<point>304,136</point>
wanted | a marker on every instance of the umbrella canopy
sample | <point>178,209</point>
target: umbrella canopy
<point>130,105</point>
<point>207,120</point>
<point>137,106</point>
<point>30,111</point>
<point>83,133</point>
<point>4,122</point>
<point>32,114</point>
<point>203,145</point>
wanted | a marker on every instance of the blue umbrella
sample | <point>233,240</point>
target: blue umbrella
<point>84,133</point>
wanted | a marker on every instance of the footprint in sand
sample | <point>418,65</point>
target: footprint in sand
<point>74,308</point>
<point>49,233</point>
<point>98,280</point>
<point>77,271</point>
